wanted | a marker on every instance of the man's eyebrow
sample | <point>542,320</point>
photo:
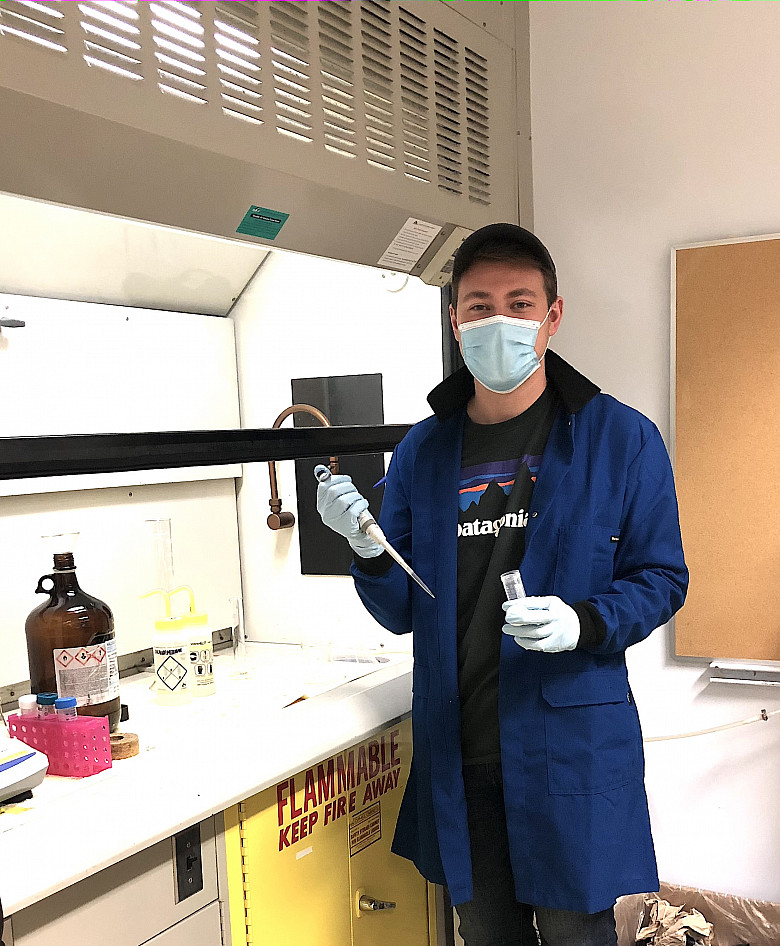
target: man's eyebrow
<point>514,294</point>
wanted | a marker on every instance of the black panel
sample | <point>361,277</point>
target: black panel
<point>343,399</point>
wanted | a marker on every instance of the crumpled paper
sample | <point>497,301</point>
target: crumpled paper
<point>665,925</point>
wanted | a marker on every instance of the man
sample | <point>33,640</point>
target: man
<point>526,795</point>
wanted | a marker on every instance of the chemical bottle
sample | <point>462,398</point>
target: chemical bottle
<point>71,645</point>
<point>171,645</point>
<point>201,647</point>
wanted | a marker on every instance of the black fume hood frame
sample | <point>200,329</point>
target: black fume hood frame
<point>60,455</point>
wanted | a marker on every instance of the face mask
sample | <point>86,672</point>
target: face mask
<point>500,351</point>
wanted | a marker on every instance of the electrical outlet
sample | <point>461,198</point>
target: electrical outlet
<point>188,862</point>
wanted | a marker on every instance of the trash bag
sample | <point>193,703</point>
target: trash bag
<point>736,921</point>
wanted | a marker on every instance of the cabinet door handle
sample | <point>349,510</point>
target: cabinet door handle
<point>371,903</point>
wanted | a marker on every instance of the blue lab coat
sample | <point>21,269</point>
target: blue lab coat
<point>603,534</point>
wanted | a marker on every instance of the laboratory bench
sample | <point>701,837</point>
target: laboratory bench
<point>114,844</point>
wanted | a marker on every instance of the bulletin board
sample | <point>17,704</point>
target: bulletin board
<point>726,331</point>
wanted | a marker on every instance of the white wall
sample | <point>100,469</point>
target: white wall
<point>307,317</point>
<point>656,125</point>
<point>93,368</point>
<point>115,556</point>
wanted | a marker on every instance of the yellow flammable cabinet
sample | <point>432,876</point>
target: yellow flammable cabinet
<point>309,860</point>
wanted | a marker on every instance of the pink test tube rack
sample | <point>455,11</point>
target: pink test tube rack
<point>76,747</point>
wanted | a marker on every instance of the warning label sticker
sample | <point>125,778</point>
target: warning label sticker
<point>365,828</point>
<point>89,673</point>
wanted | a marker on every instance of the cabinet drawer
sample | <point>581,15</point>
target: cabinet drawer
<point>201,929</point>
<point>124,905</point>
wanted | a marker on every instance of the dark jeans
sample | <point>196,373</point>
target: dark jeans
<point>494,917</point>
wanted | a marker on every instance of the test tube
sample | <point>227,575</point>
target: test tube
<point>28,705</point>
<point>65,708</point>
<point>513,585</point>
<point>46,703</point>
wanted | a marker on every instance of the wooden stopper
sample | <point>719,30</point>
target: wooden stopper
<point>124,745</point>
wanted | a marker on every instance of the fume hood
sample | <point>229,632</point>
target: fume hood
<point>359,131</point>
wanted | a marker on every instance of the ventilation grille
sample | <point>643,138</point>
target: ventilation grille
<point>180,50</point>
<point>112,37</point>
<point>415,103</point>
<point>376,83</point>
<point>477,127</point>
<point>337,76</point>
<point>449,145</point>
<point>376,42</point>
<point>291,52</point>
<point>236,44</point>
<point>38,23</point>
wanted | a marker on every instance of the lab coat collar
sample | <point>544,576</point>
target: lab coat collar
<point>573,388</point>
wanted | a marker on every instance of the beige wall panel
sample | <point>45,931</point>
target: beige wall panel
<point>727,448</point>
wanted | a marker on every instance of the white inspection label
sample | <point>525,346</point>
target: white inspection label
<point>409,244</point>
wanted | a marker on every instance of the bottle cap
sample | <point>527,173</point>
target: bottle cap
<point>47,699</point>
<point>27,703</point>
<point>170,624</point>
<point>65,702</point>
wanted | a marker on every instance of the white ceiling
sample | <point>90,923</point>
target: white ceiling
<point>66,253</point>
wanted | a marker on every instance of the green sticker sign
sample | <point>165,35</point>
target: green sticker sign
<point>262,222</point>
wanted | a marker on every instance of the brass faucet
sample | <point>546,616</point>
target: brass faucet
<point>286,520</point>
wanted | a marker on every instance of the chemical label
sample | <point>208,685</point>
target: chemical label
<point>202,663</point>
<point>171,669</point>
<point>89,673</point>
<point>365,828</point>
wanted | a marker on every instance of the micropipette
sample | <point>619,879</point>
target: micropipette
<point>369,526</point>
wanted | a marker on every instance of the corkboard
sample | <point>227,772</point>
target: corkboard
<point>727,447</point>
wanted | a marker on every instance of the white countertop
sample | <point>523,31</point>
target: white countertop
<point>195,761</point>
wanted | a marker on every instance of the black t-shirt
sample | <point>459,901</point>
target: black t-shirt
<point>498,471</point>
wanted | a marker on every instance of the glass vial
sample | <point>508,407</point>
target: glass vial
<point>65,708</point>
<point>513,585</point>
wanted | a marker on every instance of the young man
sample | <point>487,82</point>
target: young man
<point>526,795</point>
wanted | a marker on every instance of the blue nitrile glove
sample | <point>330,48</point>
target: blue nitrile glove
<point>339,504</point>
<point>544,623</point>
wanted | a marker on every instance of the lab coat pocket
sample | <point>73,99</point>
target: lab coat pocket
<point>592,732</point>
<point>585,560</point>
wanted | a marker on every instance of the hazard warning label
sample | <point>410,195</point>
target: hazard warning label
<point>89,673</point>
<point>365,828</point>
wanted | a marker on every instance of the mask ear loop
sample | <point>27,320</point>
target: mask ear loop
<point>541,357</point>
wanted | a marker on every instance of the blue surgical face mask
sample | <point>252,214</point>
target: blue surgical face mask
<point>500,351</point>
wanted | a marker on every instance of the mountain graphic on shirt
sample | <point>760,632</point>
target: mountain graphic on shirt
<point>474,480</point>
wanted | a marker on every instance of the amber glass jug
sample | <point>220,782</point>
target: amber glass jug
<point>71,645</point>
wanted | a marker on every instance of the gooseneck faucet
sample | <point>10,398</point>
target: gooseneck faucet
<point>286,520</point>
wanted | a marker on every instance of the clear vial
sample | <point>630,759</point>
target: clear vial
<point>513,585</point>
<point>28,705</point>
<point>46,703</point>
<point>65,708</point>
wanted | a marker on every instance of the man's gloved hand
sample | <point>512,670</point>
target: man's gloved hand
<point>339,504</point>
<point>544,623</point>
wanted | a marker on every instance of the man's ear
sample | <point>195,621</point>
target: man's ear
<point>454,324</point>
<point>556,315</point>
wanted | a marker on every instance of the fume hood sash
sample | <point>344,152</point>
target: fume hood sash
<point>23,457</point>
